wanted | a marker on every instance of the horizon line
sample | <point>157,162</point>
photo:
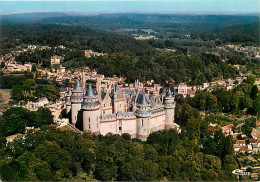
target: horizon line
<point>141,12</point>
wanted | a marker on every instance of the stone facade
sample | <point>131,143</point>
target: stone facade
<point>116,110</point>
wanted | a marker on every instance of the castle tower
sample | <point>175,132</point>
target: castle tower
<point>136,83</point>
<point>106,103</point>
<point>169,106</point>
<point>119,100</point>
<point>143,114</point>
<point>91,111</point>
<point>67,101</point>
<point>76,100</point>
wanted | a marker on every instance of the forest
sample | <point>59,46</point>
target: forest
<point>27,88</point>
<point>51,154</point>
<point>105,32</point>
<point>194,60</point>
<point>15,119</point>
<point>166,67</point>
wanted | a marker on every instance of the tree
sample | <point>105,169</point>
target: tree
<point>35,168</point>
<point>2,64</point>
<point>34,68</point>
<point>254,92</point>
<point>126,136</point>
<point>63,114</point>
<point>43,116</point>
<point>58,159</point>
<point>250,80</point>
<point>13,121</point>
<point>256,105</point>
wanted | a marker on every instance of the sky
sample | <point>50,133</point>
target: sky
<point>132,6</point>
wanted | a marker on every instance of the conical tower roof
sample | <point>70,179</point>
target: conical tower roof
<point>117,88</point>
<point>169,93</point>
<point>141,99</point>
<point>77,86</point>
<point>89,91</point>
<point>69,92</point>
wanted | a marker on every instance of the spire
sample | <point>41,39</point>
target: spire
<point>141,99</point>
<point>89,91</point>
<point>69,92</point>
<point>137,83</point>
<point>169,93</point>
<point>77,86</point>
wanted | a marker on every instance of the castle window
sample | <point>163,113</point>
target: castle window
<point>97,125</point>
<point>104,105</point>
<point>89,126</point>
<point>120,127</point>
<point>104,112</point>
<point>97,118</point>
<point>142,122</point>
<point>89,120</point>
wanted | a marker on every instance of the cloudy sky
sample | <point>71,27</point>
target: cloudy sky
<point>128,6</point>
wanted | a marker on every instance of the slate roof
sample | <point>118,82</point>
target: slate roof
<point>77,86</point>
<point>169,93</point>
<point>141,99</point>
<point>89,92</point>
<point>117,88</point>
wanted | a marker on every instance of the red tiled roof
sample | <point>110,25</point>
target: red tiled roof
<point>256,133</point>
<point>255,146</point>
<point>243,148</point>
<point>240,142</point>
<point>227,127</point>
<point>251,140</point>
<point>211,128</point>
<point>236,146</point>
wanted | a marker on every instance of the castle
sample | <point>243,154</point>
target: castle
<point>111,109</point>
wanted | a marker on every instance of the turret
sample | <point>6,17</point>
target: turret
<point>136,83</point>
<point>76,100</point>
<point>67,101</point>
<point>143,114</point>
<point>119,102</point>
<point>169,106</point>
<point>91,111</point>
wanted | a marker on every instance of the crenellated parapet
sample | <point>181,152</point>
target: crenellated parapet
<point>77,93</point>
<point>143,108</point>
<point>91,111</point>
<point>91,101</point>
<point>169,106</point>
<point>169,102</point>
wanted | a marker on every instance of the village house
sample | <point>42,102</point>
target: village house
<point>227,130</point>
<point>90,53</point>
<point>56,59</point>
